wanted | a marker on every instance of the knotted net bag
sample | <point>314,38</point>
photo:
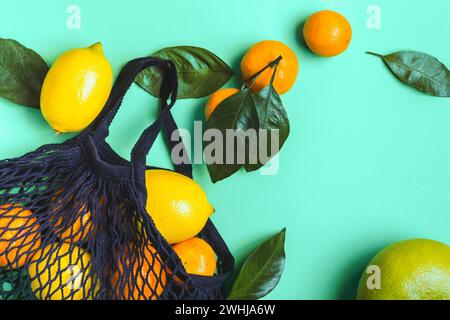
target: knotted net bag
<point>73,219</point>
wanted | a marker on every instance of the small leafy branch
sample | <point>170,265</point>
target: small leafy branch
<point>248,111</point>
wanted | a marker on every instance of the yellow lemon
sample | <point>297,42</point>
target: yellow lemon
<point>177,204</point>
<point>416,269</point>
<point>76,89</point>
<point>62,272</point>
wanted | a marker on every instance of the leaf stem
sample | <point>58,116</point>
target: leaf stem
<point>273,74</point>
<point>271,64</point>
<point>375,54</point>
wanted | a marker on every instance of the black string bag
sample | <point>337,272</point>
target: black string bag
<point>73,219</point>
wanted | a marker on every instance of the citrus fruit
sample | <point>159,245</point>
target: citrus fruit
<point>76,89</point>
<point>410,270</point>
<point>147,279</point>
<point>76,229</point>
<point>263,53</point>
<point>19,236</point>
<point>177,204</point>
<point>80,230</point>
<point>327,33</point>
<point>217,98</point>
<point>62,271</point>
<point>197,256</point>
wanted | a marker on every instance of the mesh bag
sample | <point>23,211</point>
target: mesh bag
<point>73,219</point>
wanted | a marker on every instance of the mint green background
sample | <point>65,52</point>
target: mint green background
<point>368,159</point>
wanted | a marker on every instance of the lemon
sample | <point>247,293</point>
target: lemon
<point>76,88</point>
<point>416,269</point>
<point>61,272</point>
<point>177,204</point>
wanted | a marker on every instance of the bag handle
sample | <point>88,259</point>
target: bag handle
<point>169,89</point>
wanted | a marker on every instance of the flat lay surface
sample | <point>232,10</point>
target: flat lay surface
<point>367,160</point>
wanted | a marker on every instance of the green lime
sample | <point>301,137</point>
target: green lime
<point>416,269</point>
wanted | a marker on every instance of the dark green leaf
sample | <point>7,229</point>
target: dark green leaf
<point>261,271</point>
<point>200,72</point>
<point>419,70</point>
<point>22,72</point>
<point>239,114</point>
<point>272,116</point>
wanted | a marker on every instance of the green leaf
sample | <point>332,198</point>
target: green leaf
<point>261,271</point>
<point>22,73</point>
<point>239,114</point>
<point>419,70</point>
<point>272,116</point>
<point>200,72</point>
